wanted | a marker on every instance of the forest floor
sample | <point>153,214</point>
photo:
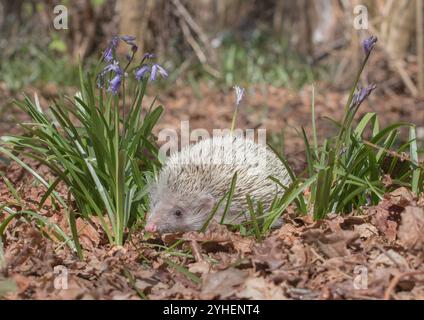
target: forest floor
<point>375,253</point>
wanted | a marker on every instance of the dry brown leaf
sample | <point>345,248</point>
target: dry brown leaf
<point>242,245</point>
<point>288,233</point>
<point>334,244</point>
<point>381,221</point>
<point>411,229</point>
<point>401,197</point>
<point>214,233</point>
<point>88,235</point>
<point>200,267</point>
<point>258,288</point>
<point>300,255</point>
<point>392,259</point>
<point>269,253</point>
<point>365,230</point>
<point>222,284</point>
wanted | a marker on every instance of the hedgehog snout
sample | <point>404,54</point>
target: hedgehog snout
<point>151,226</point>
<point>152,222</point>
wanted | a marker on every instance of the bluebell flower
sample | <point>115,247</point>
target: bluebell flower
<point>129,40</point>
<point>239,94</point>
<point>361,94</point>
<point>115,83</point>
<point>113,67</point>
<point>139,74</point>
<point>155,69</point>
<point>108,54</point>
<point>134,48</point>
<point>148,56</point>
<point>369,44</point>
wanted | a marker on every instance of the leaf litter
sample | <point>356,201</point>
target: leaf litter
<point>302,259</point>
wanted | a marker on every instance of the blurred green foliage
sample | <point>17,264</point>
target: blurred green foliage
<point>34,66</point>
<point>261,58</point>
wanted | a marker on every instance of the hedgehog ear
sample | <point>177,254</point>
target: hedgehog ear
<point>207,202</point>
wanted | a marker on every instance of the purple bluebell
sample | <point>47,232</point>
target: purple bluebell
<point>361,94</point>
<point>239,94</point>
<point>108,54</point>
<point>113,67</point>
<point>148,56</point>
<point>139,73</point>
<point>115,83</point>
<point>155,69</point>
<point>134,48</point>
<point>369,44</point>
<point>128,40</point>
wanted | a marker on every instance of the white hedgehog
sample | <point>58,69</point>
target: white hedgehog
<point>195,179</point>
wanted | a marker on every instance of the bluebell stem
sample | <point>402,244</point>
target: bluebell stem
<point>155,69</point>
<point>369,44</point>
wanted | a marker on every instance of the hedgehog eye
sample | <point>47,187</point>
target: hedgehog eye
<point>178,212</point>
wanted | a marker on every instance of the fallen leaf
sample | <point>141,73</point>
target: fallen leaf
<point>299,255</point>
<point>258,288</point>
<point>411,229</point>
<point>382,221</point>
<point>222,284</point>
<point>401,197</point>
<point>334,244</point>
<point>88,235</point>
<point>201,267</point>
<point>365,230</point>
<point>392,259</point>
<point>269,253</point>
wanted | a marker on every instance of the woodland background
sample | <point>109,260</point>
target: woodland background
<point>195,32</point>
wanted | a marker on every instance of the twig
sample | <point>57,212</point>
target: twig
<point>186,15</point>
<point>402,157</point>
<point>405,77</point>
<point>397,65</point>
<point>197,251</point>
<point>190,39</point>
<point>396,280</point>
<point>197,49</point>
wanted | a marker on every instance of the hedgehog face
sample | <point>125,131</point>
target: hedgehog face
<point>176,213</point>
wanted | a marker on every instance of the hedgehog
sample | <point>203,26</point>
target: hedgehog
<point>194,180</point>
